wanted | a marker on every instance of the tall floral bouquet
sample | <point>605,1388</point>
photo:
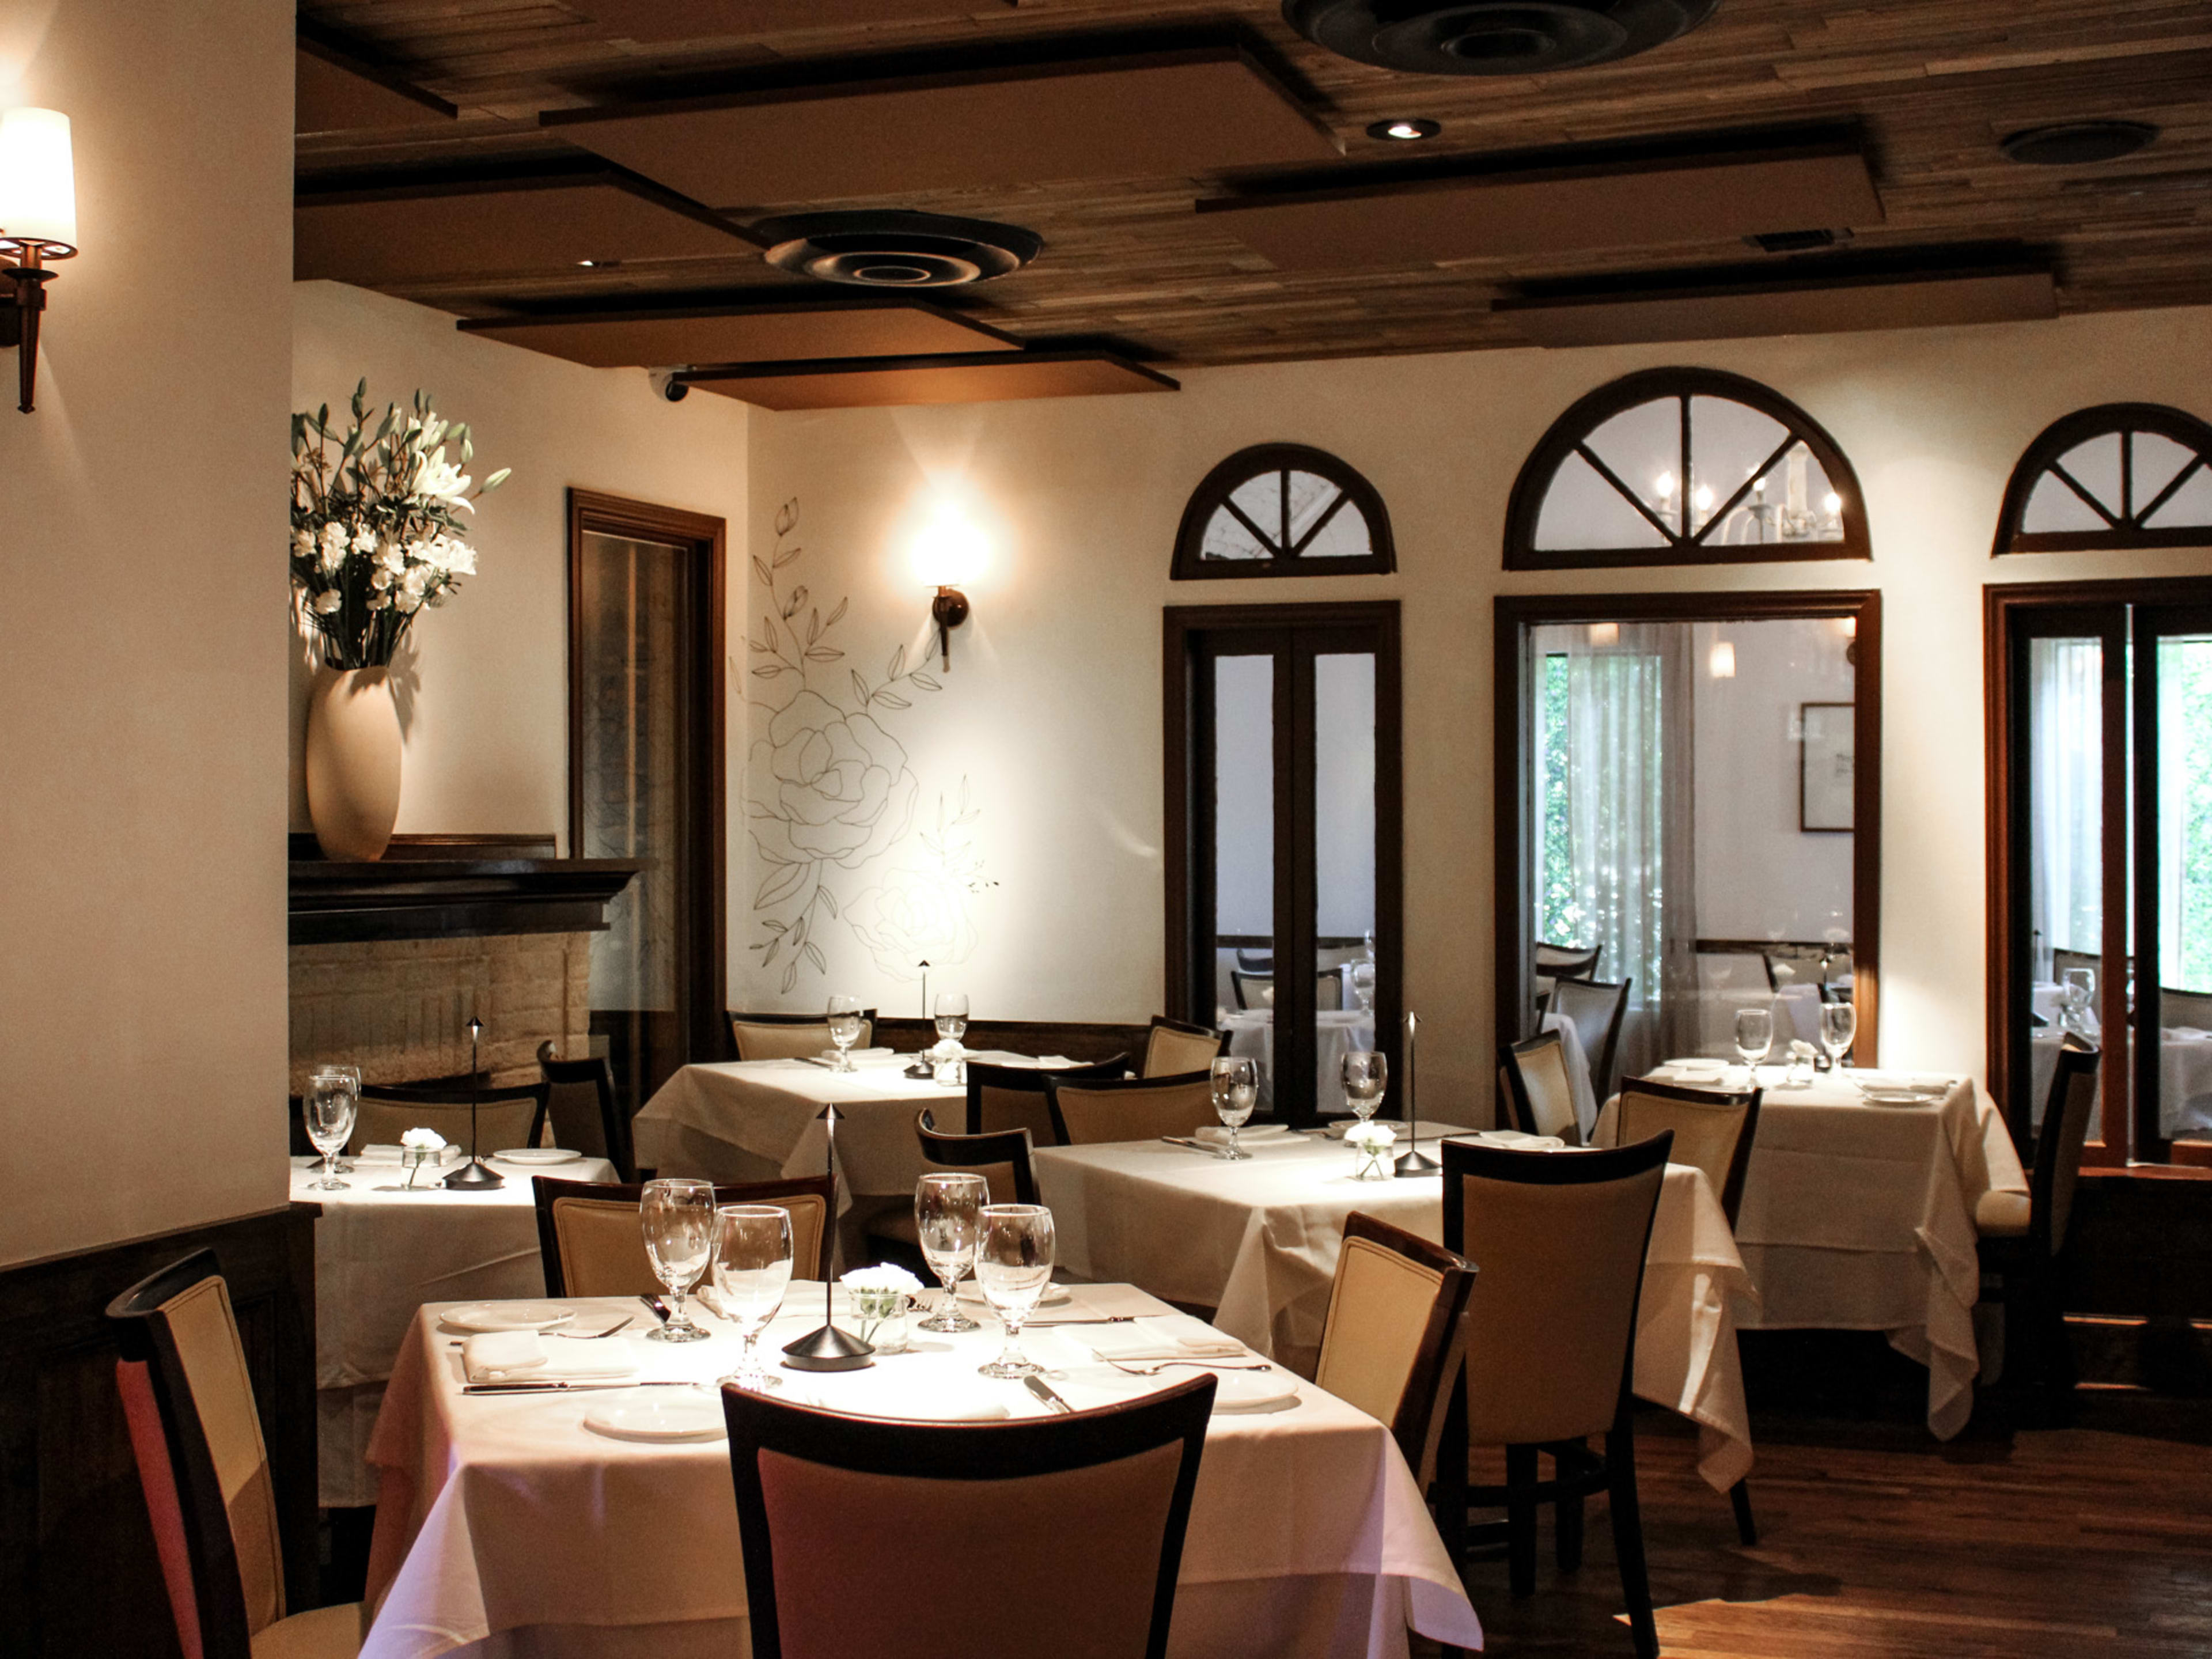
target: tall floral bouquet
<point>376,532</point>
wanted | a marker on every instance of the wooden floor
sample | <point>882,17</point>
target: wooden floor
<point>1877,1543</point>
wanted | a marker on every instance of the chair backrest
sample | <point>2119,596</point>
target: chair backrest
<point>1713,1129</point>
<point>1002,1159</point>
<point>592,1244</point>
<point>1056,1534</point>
<point>196,1433</point>
<point>2062,960</point>
<point>2189,1008</point>
<point>1088,1113</point>
<point>1597,1010</point>
<point>2066,1112</point>
<point>789,1036</point>
<point>1537,1084</point>
<point>513,1115</point>
<point>1559,1240</point>
<point>1397,1318</point>
<point>1256,962</point>
<point>1174,1048</point>
<point>1013,1096</point>
<point>1250,986</point>
<point>1553,962</point>
<point>580,1104</point>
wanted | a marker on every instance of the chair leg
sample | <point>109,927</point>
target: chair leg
<point>1628,1540</point>
<point>1568,1458</point>
<point>1521,1519</point>
<point>1745,1527</point>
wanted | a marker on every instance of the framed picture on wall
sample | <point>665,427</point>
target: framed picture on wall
<point>1824,768</point>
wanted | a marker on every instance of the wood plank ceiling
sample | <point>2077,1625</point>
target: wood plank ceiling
<point>1923,92</point>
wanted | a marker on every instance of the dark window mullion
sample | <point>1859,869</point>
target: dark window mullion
<point>2149,1141</point>
<point>1296,884</point>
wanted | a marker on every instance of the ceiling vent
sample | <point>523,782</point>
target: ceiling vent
<point>893,249</point>
<point>2078,143</point>
<point>1492,37</point>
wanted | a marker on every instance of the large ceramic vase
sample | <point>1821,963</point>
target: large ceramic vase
<point>352,762</point>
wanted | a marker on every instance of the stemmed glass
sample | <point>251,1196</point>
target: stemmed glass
<point>328,1111</point>
<point>1013,1264</point>
<point>1236,1091</point>
<point>1840,1023</point>
<point>1365,1075</point>
<point>951,1010</point>
<point>947,1209</point>
<point>1363,986</point>
<point>677,1217</point>
<point>2080,985</point>
<point>844,1028</point>
<point>350,1075</point>
<point>752,1270</point>
<point>1754,1035</point>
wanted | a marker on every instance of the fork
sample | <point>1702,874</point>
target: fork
<point>596,1335</point>
<point>1156,1367</point>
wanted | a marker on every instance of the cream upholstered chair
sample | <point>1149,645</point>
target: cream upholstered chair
<point>1133,1109</point>
<point>1058,1535</point>
<point>790,1037</point>
<point>1173,1048</point>
<point>1597,1010</point>
<point>189,1404</point>
<point>581,1108</point>
<point>1553,962</point>
<point>1537,1086</point>
<point>1551,1344</point>
<point>513,1115</point>
<point>592,1244</point>
<point>2022,1243</point>
<point>1001,1097</point>
<point>1002,1159</point>
<point>1396,1333</point>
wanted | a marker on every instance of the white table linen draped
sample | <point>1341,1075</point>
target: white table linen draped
<point>1251,1034</point>
<point>1258,1241</point>
<point>507,1528</point>
<point>1578,1071</point>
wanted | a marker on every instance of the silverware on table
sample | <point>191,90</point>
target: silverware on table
<point>1081,1319</point>
<point>1045,1391</point>
<point>1195,1145</point>
<point>1154,1367</point>
<point>596,1335</point>
<point>656,1307</point>
<point>570,1388</point>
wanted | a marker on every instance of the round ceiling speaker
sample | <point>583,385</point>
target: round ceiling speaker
<point>1492,37</point>
<point>891,249</point>
<point>2077,143</point>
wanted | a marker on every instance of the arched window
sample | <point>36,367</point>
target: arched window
<point>1683,466</point>
<point>2118,476</point>
<point>1283,510</point>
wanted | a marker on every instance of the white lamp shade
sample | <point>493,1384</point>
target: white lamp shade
<point>949,548</point>
<point>1720,662</point>
<point>38,183</point>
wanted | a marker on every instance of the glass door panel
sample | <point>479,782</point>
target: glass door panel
<point>2066,886</point>
<point>1244,930</point>
<point>1343,963</point>
<point>2174,844</point>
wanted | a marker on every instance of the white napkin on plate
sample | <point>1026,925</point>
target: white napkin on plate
<point>1214,1135</point>
<point>382,1154</point>
<point>1169,1336</point>
<point>526,1356</point>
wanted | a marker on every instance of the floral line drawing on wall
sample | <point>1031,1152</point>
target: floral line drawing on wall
<point>830,794</point>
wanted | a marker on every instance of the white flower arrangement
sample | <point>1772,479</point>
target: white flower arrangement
<point>883,1277</point>
<point>881,1296</point>
<point>376,535</point>
<point>418,1147</point>
<point>1371,1137</point>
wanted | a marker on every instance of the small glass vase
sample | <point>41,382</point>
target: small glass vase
<point>1373,1163</point>
<point>417,1158</point>
<point>883,1317</point>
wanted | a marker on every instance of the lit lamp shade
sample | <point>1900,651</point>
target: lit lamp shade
<point>1720,661</point>
<point>38,182</point>
<point>948,550</point>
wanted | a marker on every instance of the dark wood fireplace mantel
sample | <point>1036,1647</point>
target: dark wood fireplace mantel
<point>451,886</point>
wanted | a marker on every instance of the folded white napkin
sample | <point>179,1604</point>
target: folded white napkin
<point>526,1356</point>
<point>1171,1336</point>
<point>379,1154</point>
<point>1214,1135</point>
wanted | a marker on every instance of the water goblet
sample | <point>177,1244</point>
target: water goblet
<point>752,1271</point>
<point>1235,1081</point>
<point>2080,986</point>
<point>1754,1035</point>
<point>1363,986</point>
<point>351,1077</point>
<point>677,1217</point>
<point>1013,1264</point>
<point>1365,1075</point>
<point>844,1028</point>
<point>947,1209</point>
<point>328,1113</point>
<point>1840,1023</point>
<point>951,1012</point>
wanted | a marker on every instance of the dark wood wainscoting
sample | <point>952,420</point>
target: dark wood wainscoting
<point>78,1574</point>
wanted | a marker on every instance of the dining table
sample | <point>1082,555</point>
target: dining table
<point>382,1249</point>
<point>1251,1033</point>
<point>1857,1211</point>
<point>1257,1242</point>
<point>548,1524</point>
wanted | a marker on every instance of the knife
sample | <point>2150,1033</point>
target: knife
<point>1195,1145</point>
<point>1045,1391</point>
<point>565,1388</point>
<point>656,1307</point>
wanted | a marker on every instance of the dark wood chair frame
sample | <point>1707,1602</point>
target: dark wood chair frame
<point>545,1190</point>
<point>733,1018</point>
<point>1161,1022</point>
<point>1418,1427</point>
<point>1516,1089</point>
<point>1576,1472</point>
<point>1609,1050</point>
<point>960,1451</point>
<point>2031,1268</point>
<point>1119,1085</point>
<point>614,1122</point>
<point>500,1095</point>
<point>1031,1080</point>
<point>1012,1146</point>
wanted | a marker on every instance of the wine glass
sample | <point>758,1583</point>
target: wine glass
<point>945,1212</point>
<point>1754,1035</point>
<point>752,1270</point>
<point>844,1028</point>
<point>678,1219</point>
<point>351,1075</point>
<point>1013,1264</point>
<point>1363,986</point>
<point>328,1110</point>
<point>1840,1023</point>
<point>2080,996</point>
<point>1235,1091</point>
<point>1365,1074</point>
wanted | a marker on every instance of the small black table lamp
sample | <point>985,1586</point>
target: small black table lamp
<point>473,1176</point>
<point>826,1348</point>
<point>1413,1161</point>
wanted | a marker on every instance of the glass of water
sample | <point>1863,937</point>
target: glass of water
<point>328,1112</point>
<point>951,1012</point>
<point>350,1076</point>
<point>1365,1075</point>
<point>677,1217</point>
<point>2080,988</point>
<point>844,1028</point>
<point>1840,1023</point>
<point>1013,1264</point>
<point>1236,1080</point>
<point>947,1211</point>
<point>1754,1035</point>
<point>752,1271</point>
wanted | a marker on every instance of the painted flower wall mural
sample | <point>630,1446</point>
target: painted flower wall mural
<point>830,798</point>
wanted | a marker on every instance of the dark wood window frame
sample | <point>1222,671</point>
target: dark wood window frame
<point>2127,531</point>
<point>1514,677</point>
<point>702,952</point>
<point>1215,489</point>
<point>1569,433</point>
<point>1188,812</point>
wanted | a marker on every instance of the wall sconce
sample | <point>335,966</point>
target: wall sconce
<point>1720,663</point>
<point>948,552</point>
<point>1602,635</point>
<point>37,223</point>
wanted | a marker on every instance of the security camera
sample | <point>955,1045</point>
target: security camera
<point>665,383</point>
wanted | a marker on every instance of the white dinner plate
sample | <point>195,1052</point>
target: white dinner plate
<point>1519,1141</point>
<point>507,1316</point>
<point>1899,1096</point>
<point>877,1052</point>
<point>1699,1070</point>
<point>660,1414</point>
<point>1254,1391</point>
<point>538,1155</point>
<point>1055,1296</point>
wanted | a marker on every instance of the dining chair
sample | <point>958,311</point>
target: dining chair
<point>1256,962</point>
<point>2023,1242</point>
<point>1595,1007</point>
<point>1713,1131</point>
<point>1537,1085</point>
<point>195,1435</point>
<point>1173,1047</point>
<point>1013,1096</point>
<point>1251,988</point>
<point>789,1036</point>
<point>1002,1159</point>
<point>580,1104</point>
<point>1550,962</point>
<point>1550,1342</point>
<point>2191,1009</point>
<point>2062,960</point>
<point>1059,1534</point>
<point>511,1114</point>
<point>1089,1113</point>
<point>592,1244</point>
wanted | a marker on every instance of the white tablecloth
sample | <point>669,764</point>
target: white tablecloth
<point>507,1528</point>
<point>1859,1217</point>
<point>379,1256</point>
<point>1258,1241</point>
<point>1336,1032</point>
<point>1578,1071</point>
<point>2184,1078</point>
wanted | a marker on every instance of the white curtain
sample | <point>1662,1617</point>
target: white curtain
<point>2184,816</point>
<point>2066,797</point>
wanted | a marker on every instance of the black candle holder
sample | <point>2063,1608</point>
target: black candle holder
<point>1413,1161</point>
<point>474,1176</point>
<point>826,1348</point>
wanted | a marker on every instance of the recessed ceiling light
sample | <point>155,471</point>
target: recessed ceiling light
<point>1404,129</point>
<point>2077,143</point>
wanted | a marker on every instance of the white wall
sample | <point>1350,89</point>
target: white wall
<point>142,635</point>
<point>1052,709</point>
